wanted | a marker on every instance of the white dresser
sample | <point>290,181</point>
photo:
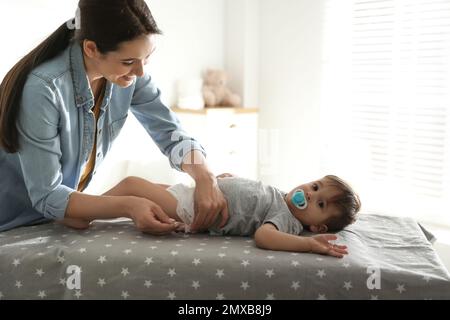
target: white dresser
<point>229,136</point>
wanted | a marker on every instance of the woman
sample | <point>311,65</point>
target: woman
<point>62,106</point>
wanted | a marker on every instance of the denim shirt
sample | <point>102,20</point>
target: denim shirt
<point>57,131</point>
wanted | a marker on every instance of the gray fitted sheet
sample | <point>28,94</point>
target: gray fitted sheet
<point>118,262</point>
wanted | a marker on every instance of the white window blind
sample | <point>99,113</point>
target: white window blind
<point>386,103</point>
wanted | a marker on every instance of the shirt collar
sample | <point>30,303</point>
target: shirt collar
<point>82,89</point>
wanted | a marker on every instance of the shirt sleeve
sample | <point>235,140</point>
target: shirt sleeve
<point>161,123</point>
<point>39,150</point>
<point>285,222</point>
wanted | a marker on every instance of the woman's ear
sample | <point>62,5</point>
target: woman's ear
<point>319,229</point>
<point>90,48</point>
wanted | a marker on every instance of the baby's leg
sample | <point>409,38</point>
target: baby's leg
<point>134,186</point>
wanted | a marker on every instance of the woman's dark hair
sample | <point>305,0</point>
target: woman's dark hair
<point>106,22</point>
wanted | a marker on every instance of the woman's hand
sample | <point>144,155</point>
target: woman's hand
<point>149,217</point>
<point>321,244</point>
<point>209,203</point>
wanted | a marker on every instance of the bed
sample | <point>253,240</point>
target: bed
<point>389,258</point>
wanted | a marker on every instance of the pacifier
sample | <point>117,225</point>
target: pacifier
<point>299,199</point>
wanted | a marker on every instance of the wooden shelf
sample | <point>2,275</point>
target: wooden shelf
<point>216,109</point>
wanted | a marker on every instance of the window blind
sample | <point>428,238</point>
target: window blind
<point>387,98</point>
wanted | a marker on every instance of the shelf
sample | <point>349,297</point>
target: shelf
<point>217,109</point>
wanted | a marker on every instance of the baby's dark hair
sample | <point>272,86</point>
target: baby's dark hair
<point>347,201</point>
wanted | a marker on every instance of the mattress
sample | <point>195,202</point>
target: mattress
<point>389,258</point>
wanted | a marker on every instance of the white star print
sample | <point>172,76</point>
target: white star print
<point>221,255</point>
<point>321,297</point>
<point>270,273</point>
<point>39,272</point>
<point>101,282</point>
<point>125,272</point>
<point>220,273</point>
<point>196,262</point>
<point>346,264</point>
<point>171,272</point>
<point>1,295</point>
<point>127,251</point>
<point>348,285</point>
<point>174,253</point>
<point>153,247</point>
<point>148,260</point>
<point>125,294</point>
<point>245,263</point>
<point>42,294</point>
<point>427,278</point>
<point>321,273</point>
<point>18,284</point>
<point>270,257</point>
<point>60,259</point>
<point>372,297</point>
<point>62,281</point>
<point>400,288</point>
<point>270,296</point>
<point>295,285</point>
<point>295,263</point>
<point>245,285</point>
<point>171,295</point>
<point>16,262</point>
<point>78,294</point>
<point>82,250</point>
<point>220,296</point>
<point>102,259</point>
<point>199,249</point>
<point>246,251</point>
<point>148,283</point>
<point>108,245</point>
<point>196,284</point>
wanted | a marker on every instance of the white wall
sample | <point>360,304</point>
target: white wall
<point>290,79</point>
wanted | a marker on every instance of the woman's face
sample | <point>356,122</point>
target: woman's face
<point>122,66</point>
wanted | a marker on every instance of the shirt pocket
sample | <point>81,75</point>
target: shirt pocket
<point>115,127</point>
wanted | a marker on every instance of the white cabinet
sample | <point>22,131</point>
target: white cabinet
<point>229,136</point>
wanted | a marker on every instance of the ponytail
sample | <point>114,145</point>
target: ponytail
<point>12,85</point>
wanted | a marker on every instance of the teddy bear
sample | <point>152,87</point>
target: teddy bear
<point>215,90</point>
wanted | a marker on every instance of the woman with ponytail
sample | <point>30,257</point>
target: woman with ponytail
<point>65,102</point>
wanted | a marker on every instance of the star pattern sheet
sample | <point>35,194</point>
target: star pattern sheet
<point>389,258</point>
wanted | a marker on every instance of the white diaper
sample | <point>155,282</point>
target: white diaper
<point>185,207</point>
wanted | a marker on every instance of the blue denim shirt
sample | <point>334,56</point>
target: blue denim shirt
<point>57,132</point>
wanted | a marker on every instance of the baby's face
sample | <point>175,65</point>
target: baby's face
<point>318,194</point>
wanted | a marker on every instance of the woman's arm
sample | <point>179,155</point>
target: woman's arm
<point>268,237</point>
<point>209,201</point>
<point>146,215</point>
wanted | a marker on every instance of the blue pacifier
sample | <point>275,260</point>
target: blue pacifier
<point>299,199</point>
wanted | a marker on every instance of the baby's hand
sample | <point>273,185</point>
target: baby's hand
<point>321,244</point>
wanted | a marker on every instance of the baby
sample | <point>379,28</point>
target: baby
<point>275,218</point>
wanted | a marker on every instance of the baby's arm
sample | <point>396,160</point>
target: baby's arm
<point>268,237</point>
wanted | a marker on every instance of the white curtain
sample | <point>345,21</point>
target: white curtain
<point>386,103</point>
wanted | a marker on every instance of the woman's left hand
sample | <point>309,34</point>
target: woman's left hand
<point>209,203</point>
